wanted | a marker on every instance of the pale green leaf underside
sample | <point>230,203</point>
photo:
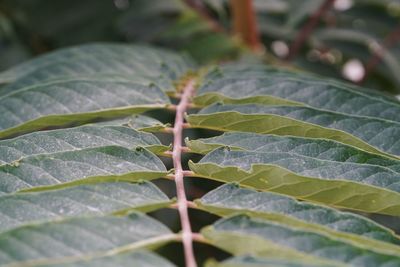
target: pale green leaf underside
<point>271,86</point>
<point>230,199</point>
<point>140,258</point>
<point>80,237</point>
<point>109,163</point>
<point>243,235</point>
<point>251,261</point>
<point>73,139</point>
<point>373,135</point>
<point>307,166</point>
<point>60,103</point>
<point>101,58</point>
<point>356,186</point>
<point>322,149</point>
<point>84,200</point>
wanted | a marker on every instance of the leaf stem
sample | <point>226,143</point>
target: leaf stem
<point>168,153</point>
<point>170,130</point>
<point>188,173</point>
<point>187,235</point>
<point>200,238</point>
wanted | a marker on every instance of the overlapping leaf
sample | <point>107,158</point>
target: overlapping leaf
<point>108,163</point>
<point>80,237</point>
<point>230,199</point>
<point>242,235</point>
<point>139,122</point>
<point>251,261</point>
<point>263,85</point>
<point>74,139</point>
<point>370,134</point>
<point>141,258</point>
<point>63,102</point>
<point>79,84</point>
<point>100,58</point>
<point>357,186</point>
<point>84,200</point>
<point>322,149</point>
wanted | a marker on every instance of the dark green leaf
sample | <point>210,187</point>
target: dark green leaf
<point>100,58</point>
<point>356,186</point>
<point>137,258</point>
<point>73,139</point>
<point>63,102</point>
<point>370,134</point>
<point>271,86</point>
<point>322,149</point>
<point>99,199</point>
<point>79,238</point>
<point>109,163</point>
<point>230,199</point>
<point>241,235</point>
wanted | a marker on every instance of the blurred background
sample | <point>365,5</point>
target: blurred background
<point>354,40</point>
<point>357,41</point>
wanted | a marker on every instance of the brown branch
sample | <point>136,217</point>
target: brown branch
<point>306,31</point>
<point>202,11</point>
<point>390,40</point>
<point>244,23</point>
<point>182,203</point>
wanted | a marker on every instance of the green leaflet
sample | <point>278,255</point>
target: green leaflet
<point>94,200</point>
<point>64,192</point>
<point>78,238</point>
<point>79,69</point>
<point>323,149</point>
<point>281,90</point>
<point>139,122</point>
<point>100,59</point>
<point>213,97</point>
<point>373,135</point>
<point>241,235</point>
<point>355,186</point>
<point>64,102</point>
<point>140,258</point>
<point>240,83</point>
<point>251,261</point>
<point>73,139</point>
<point>230,199</point>
<point>109,163</point>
